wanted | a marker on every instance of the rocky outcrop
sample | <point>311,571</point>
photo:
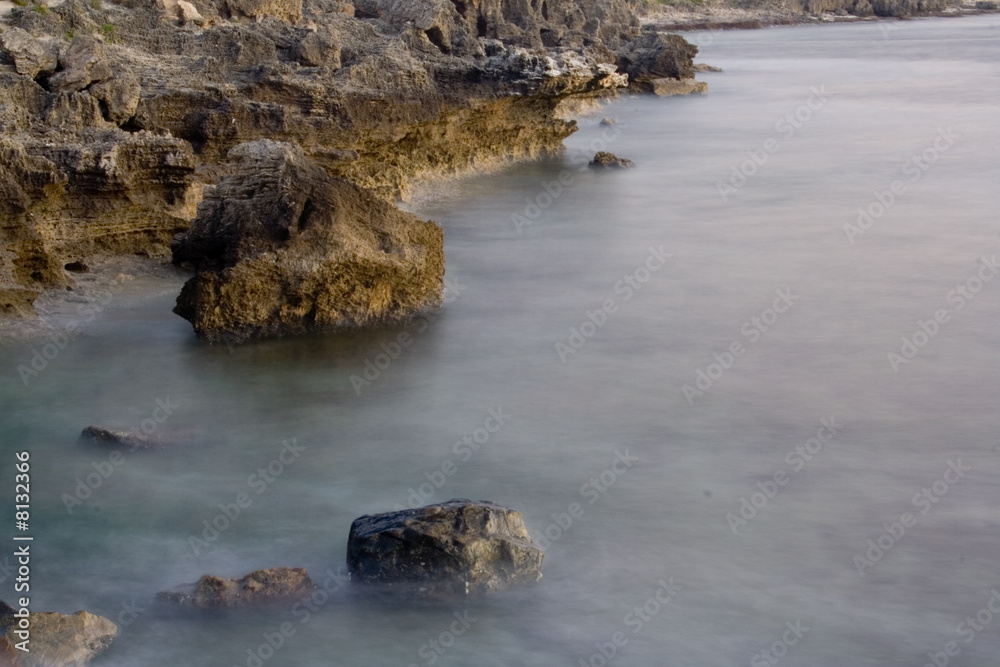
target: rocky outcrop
<point>605,160</point>
<point>281,247</point>
<point>115,118</point>
<point>883,8</point>
<point>56,640</point>
<point>458,546</point>
<point>261,587</point>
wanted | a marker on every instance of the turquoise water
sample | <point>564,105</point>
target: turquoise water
<point>706,317</point>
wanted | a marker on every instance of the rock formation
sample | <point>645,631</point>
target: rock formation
<point>115,119</point>
<point>280,584</point>
<point>281,247</point>
<point>454,547</point>
<point>115,439</point>
<point>56,640</point>
<point>605,160</point>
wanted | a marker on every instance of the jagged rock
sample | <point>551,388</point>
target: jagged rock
<point>119,95</point>
<point>275,585</point>
<point>280,247</point>
<point>31,56</point>
<point>56,640</point>
<point>671,87</point>
<point>319,49</point>
<point>605,160</point>
<point>608,121</point>
<point>705,67</point>
<point>655,55</point>
<point>287,10</point>
<point>83,63</point>
<point>457,546</point>
<point>115,439</point>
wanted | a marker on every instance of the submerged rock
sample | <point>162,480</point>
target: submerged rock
<point>605,160</point>
<point>56,640</point>
<point>259,587</point>
<point>114,439</point>
<point>670,87</point>
<point>280,247</point>
<point>453,547</point>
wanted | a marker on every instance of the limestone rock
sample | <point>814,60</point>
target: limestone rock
<point>280,247</point>
<point>457,546</point>
<point>119,95</point>
<point>287,10</point>
<point>31,56</point>
<point>83,63</point>
<point>656,55</point>
<point>671,87</point>
<point>57,640</point>
<point>275,585</point>
<point>605,160</point>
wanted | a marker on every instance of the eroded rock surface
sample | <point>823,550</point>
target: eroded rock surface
<point>281,247</point>
<point>115,118</point>
<point>276,585</point>
<point>56,640</point>
<point>605,160</point>
<point>454,547</point>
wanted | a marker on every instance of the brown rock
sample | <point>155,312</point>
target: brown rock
<point>280,248</point>
<point>31,56</point>
<point>605,160</point>
<point>274,585</point>
<point>83,63</point>
<point>57,640</point>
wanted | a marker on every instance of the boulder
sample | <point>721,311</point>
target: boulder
<point>458,546</point>
<point>83,63</point>
<point>31,56</point>
<point>57,640</point>
<point>605,160</point>
<point>280,584</point>
<point>280,247</point>
<point>655,55</point>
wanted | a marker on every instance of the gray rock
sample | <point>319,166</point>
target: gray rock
<point>605,160</point>
<point>57,640</point>
<point>454,547</point>
<point>656,55</point>
<point>31,56</point>
<point>83,63</point>
<point>275,585</point>
<point>120,96</point>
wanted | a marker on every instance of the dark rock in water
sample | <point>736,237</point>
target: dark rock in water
<point>605,160</point>
<point>705,67</point>
<point>608,121</point>
<point>259,587</point>
<point>657,56</point>
<point>57,640</point>
<point>114,439</point>
<point>457,546</point>
<point>281,247</point>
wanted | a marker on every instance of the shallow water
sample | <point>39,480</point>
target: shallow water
<point>573,403</point>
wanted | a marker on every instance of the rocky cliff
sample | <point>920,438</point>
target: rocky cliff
<point>116,118</point>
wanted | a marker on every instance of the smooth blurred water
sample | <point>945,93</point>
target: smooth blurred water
<point>517,290</point>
